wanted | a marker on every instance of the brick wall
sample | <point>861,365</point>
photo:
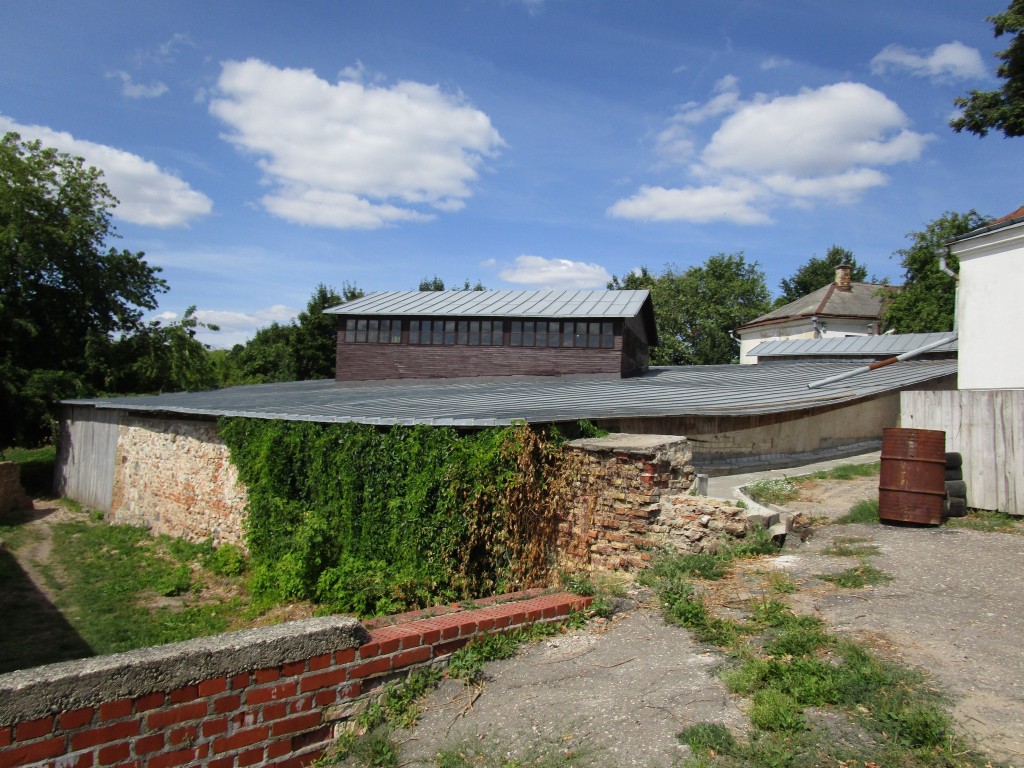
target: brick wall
<point>175,476</point>
<point>619,484</point>
<point>270,696</point>
<point>12,495</point>
<point>631,498</point>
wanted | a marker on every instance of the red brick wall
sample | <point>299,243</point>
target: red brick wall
<point>283,715</point>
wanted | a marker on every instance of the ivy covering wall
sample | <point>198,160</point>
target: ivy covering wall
<point>373,521</point>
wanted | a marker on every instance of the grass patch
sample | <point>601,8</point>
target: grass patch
<point>815,698</point>
<point>863,575</point>
<point>561,751</point>
<point>988,522</point>
<point>109,582</point>
<point>847,472</point>
<point>773,491</point>
<point>851,546</point>
<point>865,511</point>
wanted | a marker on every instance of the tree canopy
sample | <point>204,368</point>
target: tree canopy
<point>696,309</point>
<point>64,293</point>
<point>1001,110</point>
<point>300,350</point>
<point>927,301</point>
<point>817,273</point>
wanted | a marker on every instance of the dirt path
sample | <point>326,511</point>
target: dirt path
<point>33,627</point>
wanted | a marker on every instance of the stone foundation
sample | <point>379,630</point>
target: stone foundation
<point>12,495</point>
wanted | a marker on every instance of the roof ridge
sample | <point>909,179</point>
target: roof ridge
<point>828,295</point>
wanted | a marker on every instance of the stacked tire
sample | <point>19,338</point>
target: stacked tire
<point>955,503</point>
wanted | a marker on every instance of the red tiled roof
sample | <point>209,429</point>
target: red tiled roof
<point>1019,213</point>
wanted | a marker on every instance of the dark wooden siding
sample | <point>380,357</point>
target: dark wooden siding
<point>376,361</point>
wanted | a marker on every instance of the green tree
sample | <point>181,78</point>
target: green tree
<point>269,356</point>
<point>314,341</point>
<point>63,291</point>
<point>696,310</point>
<point>435,283</point>
<point>161,358</point>
<point>926,303</point>
<point>819,272</point>
<point>1001,110</point>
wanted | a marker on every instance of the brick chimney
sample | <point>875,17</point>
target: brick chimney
<point>843,277</point>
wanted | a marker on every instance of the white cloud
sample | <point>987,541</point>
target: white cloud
<point>132,90</point>
<point>817,132</point>
<point>823,144</point>
<point>235,327</point>
<point>949,61</point>
<point>775,62</point>
<point>148,195</point>
<point>732,202</point>
<point>555,273</point>
<point>349,154</point>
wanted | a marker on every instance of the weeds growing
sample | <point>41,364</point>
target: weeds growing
<point>803,681</point>
<point>772,491</point>
<point>865,511</point>
<point>863,575</point>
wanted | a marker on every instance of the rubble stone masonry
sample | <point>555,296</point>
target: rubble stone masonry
<point>175,476</point>
<point>629,493</point>
<point>12,495</point>
<point>630,498</point>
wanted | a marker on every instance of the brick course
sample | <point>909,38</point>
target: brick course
<point>269,717</point>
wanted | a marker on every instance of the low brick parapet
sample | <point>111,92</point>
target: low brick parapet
<point>268,696</point>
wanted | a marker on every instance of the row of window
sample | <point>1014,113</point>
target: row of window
<point>476,333</point>
<point>543,333</point>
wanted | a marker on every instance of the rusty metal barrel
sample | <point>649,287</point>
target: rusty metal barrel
<point>911,484</point>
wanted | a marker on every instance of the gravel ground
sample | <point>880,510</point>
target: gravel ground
<point>954,607</point>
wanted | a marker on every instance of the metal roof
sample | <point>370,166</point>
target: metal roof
<point>718,390</point>
<point>552,303</point>
<point>887,345</point>
<point>862,300</point>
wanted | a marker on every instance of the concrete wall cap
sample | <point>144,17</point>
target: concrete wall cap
<point>33,693</point>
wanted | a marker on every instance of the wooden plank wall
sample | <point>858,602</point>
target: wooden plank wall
<point>987,427</point>
<point>85,455</point>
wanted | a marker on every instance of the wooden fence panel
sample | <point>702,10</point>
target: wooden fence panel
<point>85,457</point>
<point>987,427</point>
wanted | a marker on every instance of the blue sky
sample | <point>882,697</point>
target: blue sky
<point>261,148</point>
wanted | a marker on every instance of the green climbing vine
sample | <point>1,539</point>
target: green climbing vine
<point>373,521</point>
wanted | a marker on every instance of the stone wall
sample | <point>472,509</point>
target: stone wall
<point>630,499</point>
<point>175,476</point>
<point>12,495</point>
<point>274,695</point>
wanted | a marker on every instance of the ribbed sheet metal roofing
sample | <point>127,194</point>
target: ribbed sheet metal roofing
<point>720,390</point>
<point>895,344</point>
<point>560,304</point>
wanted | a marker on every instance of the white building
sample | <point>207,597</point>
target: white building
<point>990,304</point>
<point>840,309</point>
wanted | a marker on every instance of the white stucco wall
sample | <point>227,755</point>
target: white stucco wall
<point>990,309</point>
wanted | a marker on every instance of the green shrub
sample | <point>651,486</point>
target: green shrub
<point>226,560</point>
<point>367,520</point>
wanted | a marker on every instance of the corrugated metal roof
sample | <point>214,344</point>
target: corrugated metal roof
<point>553,303</point>
<point>720,390</point>
<point>887,345</point>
